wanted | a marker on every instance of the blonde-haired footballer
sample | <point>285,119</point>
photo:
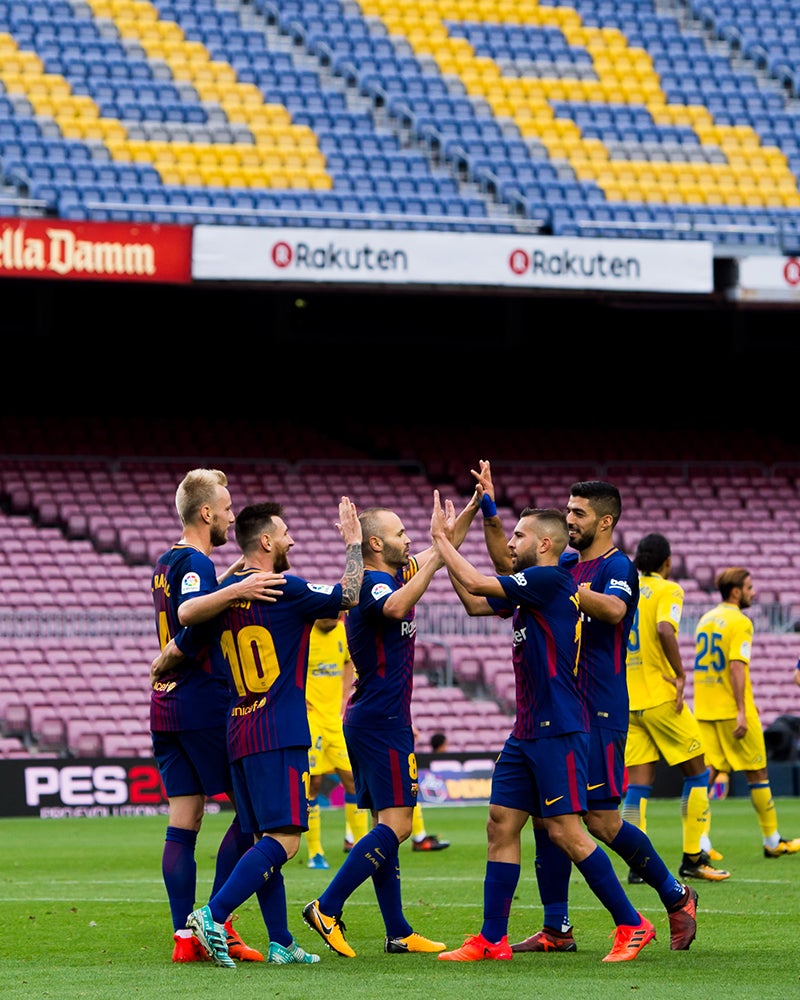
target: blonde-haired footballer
<point>724,706</point>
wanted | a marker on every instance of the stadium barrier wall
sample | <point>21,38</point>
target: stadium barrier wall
<point>62,788</point>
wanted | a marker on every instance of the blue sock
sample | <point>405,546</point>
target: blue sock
<point>358,866</point>
<point>602,880</point>
<point>233,846</point>
<point>271,898</point>
<point>257,866</point>
<point>633,797</point>
<point>637,851</point>
<point>553,869</point>
<point>386,881</point>
<point>499,885</point>
<point>700,780</point>
<point>179,870</point>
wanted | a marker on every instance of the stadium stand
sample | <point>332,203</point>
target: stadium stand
<point>86,506</point>
<point>588,118</point>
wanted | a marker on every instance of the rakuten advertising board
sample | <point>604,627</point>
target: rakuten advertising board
<point>769,279</point>
<point>390,257</point>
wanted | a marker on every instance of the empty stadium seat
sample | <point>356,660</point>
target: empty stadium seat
<point>139,94</point>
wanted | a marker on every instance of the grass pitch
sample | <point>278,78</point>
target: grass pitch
<point>85,915</point>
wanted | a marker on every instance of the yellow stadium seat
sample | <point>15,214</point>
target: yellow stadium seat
<point>693,194</point>
<point>652,194</point>
<point>98,128</point>
<point>228,157</point>
<point>295,180</point>
<point>192,176</point>
<point>170,175</point>
<point>319,180</point>
<point>259,179</point>
<point>145,152</point>
<point>182,152</point>
<point>713,196</point>
<point>254,156</point>
<point>236,178</point>
<point>773,199</point>
<point>212,176</point>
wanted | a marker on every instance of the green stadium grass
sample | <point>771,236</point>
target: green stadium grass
<point>85,916</point>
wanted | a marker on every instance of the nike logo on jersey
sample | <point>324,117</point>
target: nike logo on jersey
<point>591,788</point>
<point>550,802</point>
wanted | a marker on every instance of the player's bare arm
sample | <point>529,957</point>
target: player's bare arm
<point>167,660</point>
<point>471,579</point>
<point>350,529</point>
<point>603,607</point>
<point>460,527</point>
<point>253,587</point>
<point>493,534</point>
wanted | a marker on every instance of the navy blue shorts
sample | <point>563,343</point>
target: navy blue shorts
<point>193,761</point>
<point>606,776</point>
<point>544,777</point>
<point>384,767</point>
<point>270,790</point>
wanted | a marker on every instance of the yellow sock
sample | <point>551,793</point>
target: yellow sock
<point>314,833</point>
<point>417,823</point>
<point>356,820</point>
<point>695,819</point>
<point>761,797</point>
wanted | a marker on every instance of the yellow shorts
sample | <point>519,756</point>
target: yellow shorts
<point>662,732</point>
<point>328,751</point>
<point>725,753</point>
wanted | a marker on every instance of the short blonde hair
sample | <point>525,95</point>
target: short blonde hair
<point>198,487</point>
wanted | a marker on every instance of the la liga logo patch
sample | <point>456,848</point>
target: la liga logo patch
<point>190,584</point>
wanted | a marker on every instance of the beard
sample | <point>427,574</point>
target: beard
<point>519,563</point>
<point>395,555</point>
<point>218,535</point>
<point>582,541</point>
<point>281,563</point>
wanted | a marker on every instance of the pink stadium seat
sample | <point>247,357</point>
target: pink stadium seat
<point>126,745</point>
<point>16,720</point>
<point>50,734</point>
<point>88,672</point>
<point>11,747</point>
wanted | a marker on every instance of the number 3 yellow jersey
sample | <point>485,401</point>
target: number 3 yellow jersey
<point>660,600</point>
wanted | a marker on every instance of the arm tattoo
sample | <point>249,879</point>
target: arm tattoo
<point>353,576</point>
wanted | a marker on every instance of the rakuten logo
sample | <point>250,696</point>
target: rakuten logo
<point>335,257</point>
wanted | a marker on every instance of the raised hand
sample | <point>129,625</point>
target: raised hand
<point>483,478</point>
<point>348,524</point>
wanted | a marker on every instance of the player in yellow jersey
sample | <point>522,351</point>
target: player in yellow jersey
<point>330,678</point>
<point>661,723</point>
<point>730,725</point>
